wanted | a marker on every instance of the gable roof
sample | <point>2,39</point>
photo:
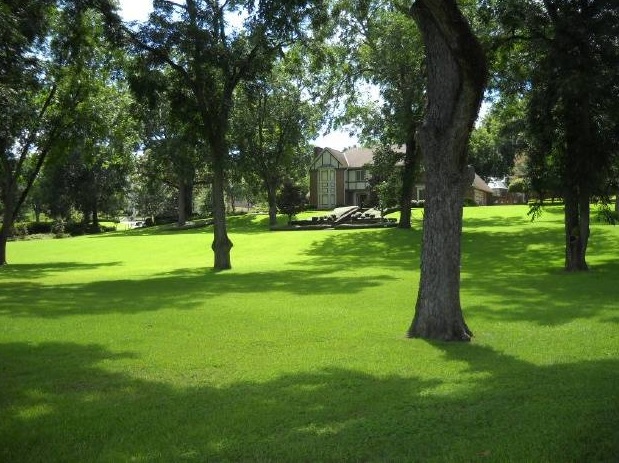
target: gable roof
<point>479,184</point>
<point>359,156</point>
<point>352,158</point>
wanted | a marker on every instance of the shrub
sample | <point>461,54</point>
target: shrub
<point>290,200</point>
<point>59,228</point>
<point>468,202</point>
<point>37,228</point>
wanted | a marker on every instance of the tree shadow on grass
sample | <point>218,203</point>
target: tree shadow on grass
<point>390,248</point>
<point>246,224</point>
<point>41,270</point>
<point>180,290</point>
<point>66,402</point>
<point>520,276</point>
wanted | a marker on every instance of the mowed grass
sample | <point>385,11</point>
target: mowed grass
<point>127,347</point>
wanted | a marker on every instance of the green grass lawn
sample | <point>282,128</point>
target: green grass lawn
<point>127,347</point>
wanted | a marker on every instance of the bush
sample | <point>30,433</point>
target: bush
<point>290,200</point>
<point>37,228</point>
<point>468,202</point>
<point>59,228</point>
<point>20,230</point>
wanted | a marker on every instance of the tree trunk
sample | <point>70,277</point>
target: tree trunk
<point>182,206</point>
<point>4,236</point>
<point>221,243</point>
<point>8,217</point>
<point>272,200</point>
<point>411,163</point>
<point>617,204</point>
<point>576,230</point>
<point>95,216</point>
<point>456,80</point>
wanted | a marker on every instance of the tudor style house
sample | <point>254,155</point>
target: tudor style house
<point>339,178</point>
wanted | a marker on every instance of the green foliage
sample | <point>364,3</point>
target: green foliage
<point>44,57</point>
<point>290,199</point>
<point>518,185</point>
<point>385,180</point>
<point>120,347</point>
<point>499,139</point>
<point>271,128</point>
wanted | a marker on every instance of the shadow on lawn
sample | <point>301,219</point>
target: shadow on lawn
<point>59,404</point>
<point>40,270</point>
<point>246,224</point>
<point>181,290</point>
<point>361,249</point>
<point>521,276</point>
<point>319,273</point>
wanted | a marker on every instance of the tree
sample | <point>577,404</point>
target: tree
<point>385,180</point>
<point>210,57</point>
<point>173,152</point>
<point>560,58</point>
<point>41,80</point>
<point>499,139</point>
<point>271,128</point>
<point>97,156</point>
<point>456,80</point>
<point>290,199</point>
<point>384,49</point>
<point>573,110</point>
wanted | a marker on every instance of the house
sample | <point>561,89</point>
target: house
<point>501,193</point>
<point>340,178</point>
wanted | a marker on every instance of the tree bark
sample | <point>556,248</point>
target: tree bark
<point>411,163</point>
<point>272,200</point>
<point>456,80</point>
<point>577,210</point>
<point>182,206</point>
<point>8,196</point>
<point>221,243</point>
<point>7,223</point>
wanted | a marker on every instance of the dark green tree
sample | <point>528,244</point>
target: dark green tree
<point>561,56</point>
<point>499,139</point>
<point>290,199</point>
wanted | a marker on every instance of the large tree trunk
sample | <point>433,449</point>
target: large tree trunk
<point>221,243</point>
<point>456,80</point>
<point>411,162</point>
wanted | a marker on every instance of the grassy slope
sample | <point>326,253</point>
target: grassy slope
<point>126,347</point>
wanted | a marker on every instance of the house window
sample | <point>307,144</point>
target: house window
<point>360,175</point>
